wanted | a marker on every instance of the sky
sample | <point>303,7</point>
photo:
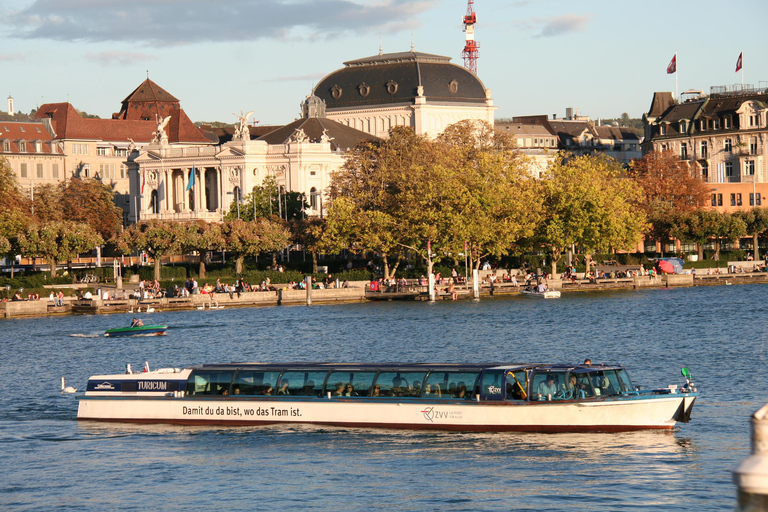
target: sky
<point>219,57</point>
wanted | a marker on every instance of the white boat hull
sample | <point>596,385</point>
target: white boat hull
<point>636,413</point>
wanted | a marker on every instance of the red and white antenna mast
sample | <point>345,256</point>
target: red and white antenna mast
<point>471,46</point>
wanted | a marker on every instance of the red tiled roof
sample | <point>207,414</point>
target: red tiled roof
<point>68,124</point>
<point>29,132</point>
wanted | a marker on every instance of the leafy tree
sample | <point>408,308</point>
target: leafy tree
<point>589,203</point>
<point>47,203</point>
<point>756,221</point>
<point>58,241</point>
<point>309,233</point>
<point>203,237</point>
<point>671,188</point>
<point>13,223</point>
<point>269,200</point>
<point>11,196</point>
<point>729,227</point>
<point>155,237</point>
<point>91,202</point>
<point>495,202</point>
<point>392,186</point>
<point>252,238</point>
<point>697,227</point>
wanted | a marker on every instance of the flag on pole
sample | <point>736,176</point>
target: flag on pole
<point>143,179</point>
<point>738,62</point>
<point>672,68</point>
<point>191,178</point>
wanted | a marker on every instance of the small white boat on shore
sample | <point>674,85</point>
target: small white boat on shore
<point>546,294</point>
<point>464,397</point>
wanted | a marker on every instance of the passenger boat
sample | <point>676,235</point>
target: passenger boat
<point>546,294</point>
<point>488,397</point>
<point>140,330</point>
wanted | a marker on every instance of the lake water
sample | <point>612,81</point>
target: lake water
<point>53,462</point>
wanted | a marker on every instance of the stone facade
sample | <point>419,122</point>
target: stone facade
<point>723,136</point>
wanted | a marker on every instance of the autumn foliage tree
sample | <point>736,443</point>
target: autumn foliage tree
<point>155,237</point>
<point>245,239</point>
<point>58,241</point>
<point>588,202</point>
<point>671,188</point>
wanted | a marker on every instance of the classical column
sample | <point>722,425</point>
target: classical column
<point>167,204</point>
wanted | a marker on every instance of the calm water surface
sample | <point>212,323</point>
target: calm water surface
<point>53,462</point>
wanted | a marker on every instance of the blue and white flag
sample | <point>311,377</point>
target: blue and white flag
<point>191,182</point>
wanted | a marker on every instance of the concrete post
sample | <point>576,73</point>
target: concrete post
<point>431,287</point>
<point>308,281</point>
<point>752,474</point>
<point>475,283</point>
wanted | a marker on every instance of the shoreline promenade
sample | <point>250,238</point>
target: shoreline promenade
<point>357,292</point>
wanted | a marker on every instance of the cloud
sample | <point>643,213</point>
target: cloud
<point>8,57</point>
<point>559,25</point>
<point>119,58</point>
<point>180,22</point>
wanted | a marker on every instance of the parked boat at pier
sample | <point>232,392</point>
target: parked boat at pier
<point>488,397</point>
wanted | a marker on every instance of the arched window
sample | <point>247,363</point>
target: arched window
<point>237,194</point>
<point>155,203</point>
<point>313,198</point>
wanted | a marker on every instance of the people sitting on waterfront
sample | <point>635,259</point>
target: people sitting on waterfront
<point>542,287</point>
<point>137,323</point>
<point>548,387</point>
<point>60,298</point>
<point>207,289</point>
<point>451,290</point>
<point>17,297</point>
<point>218,288</point>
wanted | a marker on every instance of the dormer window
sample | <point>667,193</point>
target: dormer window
<point>726,123</point>
<point>703,125</point>
<point>6,146</point>
<point>22,147</point>
<point>39,147</point>
<point>715,124</point>
<point>663,129</point>
<point>683,126</point>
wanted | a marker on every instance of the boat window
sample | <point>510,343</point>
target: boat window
<point>249,382</point>
<point>339,383</point>
<point>626,384</point>
<point>400,383</point>
<point>548,386</point>
<point>209,382</point>
<point>606,383</point>
<point>444,384</point>
<point>517,385</point>
<point>578,385</point>
<point>491,387</point>
<point>302,383</point>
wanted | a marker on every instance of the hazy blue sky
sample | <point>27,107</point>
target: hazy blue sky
<point>223,56</point>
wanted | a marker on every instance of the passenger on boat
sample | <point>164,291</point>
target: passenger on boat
<point>349,390</point>
<point>283,388</point>
<point>576,388</point>
<point>548,387</point>
<point>461,390</point>
<point>376,391</point>
<point>136,323</point>
<point>236,389</point>
<point>267,390</point>
<point>432,392</point>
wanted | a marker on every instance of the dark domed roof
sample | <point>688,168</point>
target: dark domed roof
<point>395,78</point>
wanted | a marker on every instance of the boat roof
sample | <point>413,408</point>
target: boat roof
<point>319,366</point>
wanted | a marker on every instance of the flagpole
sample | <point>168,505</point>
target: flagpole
<point>677,96</point>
